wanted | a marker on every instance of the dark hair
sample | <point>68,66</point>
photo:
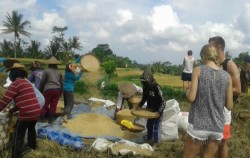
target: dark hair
<point>190,52</point>
<point>16,73</point>
<point>219,41</point>
<point>67,67</point>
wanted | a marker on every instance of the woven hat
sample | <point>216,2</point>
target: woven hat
<point>90,62</point>
<point>53,60</point>
<point>9,63</point>
<point>17,66</point>
<point>127,89</point>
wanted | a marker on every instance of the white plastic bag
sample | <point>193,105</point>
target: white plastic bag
<point>170,129</point>
<point>172,108</point>
<point>182,120</point>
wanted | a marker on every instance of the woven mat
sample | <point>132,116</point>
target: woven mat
<point>90,62</point>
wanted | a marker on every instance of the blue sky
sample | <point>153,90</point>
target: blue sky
<point>142,30</point>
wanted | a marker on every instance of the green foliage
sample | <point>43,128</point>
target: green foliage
<point>81,87</point>
<point>109,67</point>
<point>240,59</point>
<point>111,90</point>
<point>172,93</point>
<point>103,52</point>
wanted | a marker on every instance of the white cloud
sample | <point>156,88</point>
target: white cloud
<point>163,17</point>
<point>102,34</point>
<point>124,16</point>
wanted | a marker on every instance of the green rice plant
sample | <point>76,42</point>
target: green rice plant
<point>81,87</point>
<point>110,90</point>
<point>174,93</point>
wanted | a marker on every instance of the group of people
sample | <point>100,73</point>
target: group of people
<point>215,85</point>
<point>50,83</point>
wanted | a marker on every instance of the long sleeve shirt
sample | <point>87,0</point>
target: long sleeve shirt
<point>154,98</point>
<point>69,80</point>
<point>22,92</point>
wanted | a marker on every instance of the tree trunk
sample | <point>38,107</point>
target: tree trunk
<point>14,45</point>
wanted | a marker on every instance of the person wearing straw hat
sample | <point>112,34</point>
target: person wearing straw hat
<point>153,95</point>
<point>51,86</point>
<point>23,94</point>
<point>126,91</point>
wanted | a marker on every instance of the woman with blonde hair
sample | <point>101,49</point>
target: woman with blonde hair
<point>211,90</point>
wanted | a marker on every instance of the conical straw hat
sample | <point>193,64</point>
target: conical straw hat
<point>53,60</point>
<point>127,89</point>
<point>90,62</point>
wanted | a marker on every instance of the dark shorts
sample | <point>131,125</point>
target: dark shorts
<point>186,76</point>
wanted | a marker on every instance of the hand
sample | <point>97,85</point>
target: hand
<point>138,108</point>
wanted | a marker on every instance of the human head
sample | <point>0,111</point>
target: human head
<point>208,53</point>
<point>218,42</point>
<point>35,65</point>
<point>190,52</point>
<point>147,78</point>
<point>18,70</point>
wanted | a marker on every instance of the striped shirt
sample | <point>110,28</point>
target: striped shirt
<point>22,92</point>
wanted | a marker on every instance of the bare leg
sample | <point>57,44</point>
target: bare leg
<point>183,85</point>
<point>191,148</point>
<point>210,149</point>
<point>223,149</point>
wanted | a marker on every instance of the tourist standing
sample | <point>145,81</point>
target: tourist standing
<point>228,65</point>
<point>210,92</point>
<point>188,64</point>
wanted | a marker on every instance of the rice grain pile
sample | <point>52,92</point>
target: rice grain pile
<point>96,125</point>
<point>144,113</point>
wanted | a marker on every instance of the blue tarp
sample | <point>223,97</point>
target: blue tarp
<point>56,132</point>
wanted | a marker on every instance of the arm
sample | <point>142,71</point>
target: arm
<point>191,94</point>
<point>235,75</point>
<point>229,101</point>
<point>163,103</point>
<point>43,81</point>
<point>32,77</point>
<point>8,97</point>
<point>144,98</point>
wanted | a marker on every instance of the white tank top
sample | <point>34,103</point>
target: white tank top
<point>188,64</point>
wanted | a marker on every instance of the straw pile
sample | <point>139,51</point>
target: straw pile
<point>135,148</point>
<point>96,125</point>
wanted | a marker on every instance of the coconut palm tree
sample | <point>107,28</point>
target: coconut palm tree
<point>74,43</point>
<point>15,24</point>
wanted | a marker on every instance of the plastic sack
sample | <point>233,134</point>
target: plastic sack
<point>172,108</point>
<point>182,120</point>
<point>170,129</point>
<point>101,144</point>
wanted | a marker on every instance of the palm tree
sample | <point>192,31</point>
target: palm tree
<point>74,43</point>
<point>15,24</point>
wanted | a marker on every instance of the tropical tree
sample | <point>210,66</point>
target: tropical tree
<point>6,48</point>
<point>74,43</point>
<point>33,50</point>
<point>14,24</point>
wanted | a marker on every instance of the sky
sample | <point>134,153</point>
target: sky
<point>146,31</point>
